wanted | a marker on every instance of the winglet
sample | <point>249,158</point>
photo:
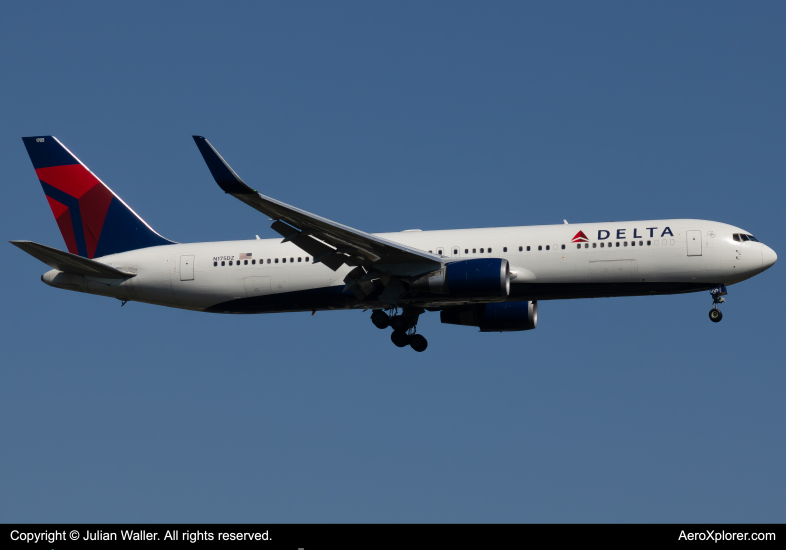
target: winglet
<point>225,177</point>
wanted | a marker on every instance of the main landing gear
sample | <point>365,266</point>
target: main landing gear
<point>717,298</point>
<point>404,328</point>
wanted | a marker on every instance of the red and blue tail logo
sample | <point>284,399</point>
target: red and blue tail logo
<point>93,220</point>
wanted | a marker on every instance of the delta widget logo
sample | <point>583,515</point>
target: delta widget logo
<point>580,237</point>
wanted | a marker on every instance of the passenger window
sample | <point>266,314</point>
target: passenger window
<point>474,250</point>
<point>641,243</point>
<point>633,243</point>
<point>618,244</point>
<point>481,251</point>
<point>292,260</point>
<point>744,237</point>
<point>245,262</point>
<point>222,264</point>
<point>306,258</point>
<point>215,264</point>
<point>594,245</point>
<point>737,237</point>
<point>586,245</point>
<point>648,243</point>
<point>431,252</point>
<point>298,260</point>
<point>521,248</point>
<point>504,249</point>
<point>439,251</point>
<point>527,249</point>
<point>540,247</point>
<point>466,251</point>
<point>625,243</point>
<point>563,247</point>
<point>672,241</point>
<point>578,246</point>
<point>276,260</point>
<point>548,247</point>
<point>253,262</point>
<point>601,245</point>
<point>489,251</point>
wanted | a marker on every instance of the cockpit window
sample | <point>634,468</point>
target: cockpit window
<point>744,237</point>
<point>737,237</point>
<point>754,239</point>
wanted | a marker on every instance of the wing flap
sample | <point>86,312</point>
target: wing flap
<point>319,251</point>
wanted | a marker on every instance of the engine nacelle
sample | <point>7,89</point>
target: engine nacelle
<point>496,317</point>
<point>482,277</point>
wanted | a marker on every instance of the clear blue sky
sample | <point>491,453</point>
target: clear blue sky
<point>385,117</point>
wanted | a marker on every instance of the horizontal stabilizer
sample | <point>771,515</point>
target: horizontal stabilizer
<point>70,263</point>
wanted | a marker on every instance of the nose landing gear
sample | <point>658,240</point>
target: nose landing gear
<point>404,328</point>
<point>717,298</point>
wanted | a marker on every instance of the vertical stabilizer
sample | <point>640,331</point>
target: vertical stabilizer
<point>93,220</point>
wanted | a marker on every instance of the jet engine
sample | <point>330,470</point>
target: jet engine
<point>496,317</point>
<point>482,277</point>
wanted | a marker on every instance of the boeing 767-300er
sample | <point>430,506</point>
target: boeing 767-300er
<point>489,278</point>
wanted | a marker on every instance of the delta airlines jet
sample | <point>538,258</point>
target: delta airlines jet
<point>490,278</point>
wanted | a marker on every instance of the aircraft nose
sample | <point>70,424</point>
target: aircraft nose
<point>768,257</point>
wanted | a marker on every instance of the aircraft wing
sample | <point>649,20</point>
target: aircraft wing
<point>70,263</point>
<point>331,243</point>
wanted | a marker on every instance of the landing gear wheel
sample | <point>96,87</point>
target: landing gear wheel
<point>418,342</point>
<point>399,323</point>
<point>715,315</point>
<point>380,319</point>
<point>400,338</point>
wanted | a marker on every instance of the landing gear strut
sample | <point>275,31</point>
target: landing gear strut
<point>717,298</point>
<point>404,327</point>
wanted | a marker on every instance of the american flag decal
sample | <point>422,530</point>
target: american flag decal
<point>245,256</point>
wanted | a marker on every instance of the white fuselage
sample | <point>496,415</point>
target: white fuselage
<point>266,275</point>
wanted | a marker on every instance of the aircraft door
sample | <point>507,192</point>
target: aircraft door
<point>186,268</point>
<point>694,243</point>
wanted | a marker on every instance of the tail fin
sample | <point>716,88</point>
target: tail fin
<point>93,220</point>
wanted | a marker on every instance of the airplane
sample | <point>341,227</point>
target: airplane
<point>489,278</point>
